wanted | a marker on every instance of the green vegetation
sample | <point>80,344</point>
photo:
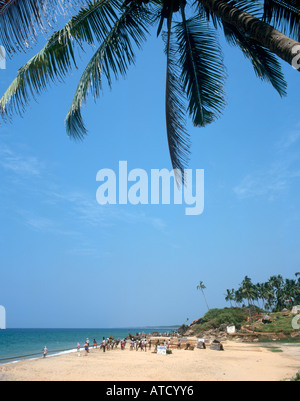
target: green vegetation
<point>284,340</point>
<point>279,323</point>
<point>276,297</point>
<point>297,378</point>
<point>273,348</point>
<point>216,317</point>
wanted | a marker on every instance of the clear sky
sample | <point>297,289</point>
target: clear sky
<point>68,262</point>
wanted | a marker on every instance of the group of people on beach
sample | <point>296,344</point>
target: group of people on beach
<point>104,345</point>
<point>135,344</point>
<point>112,343</point>
<point>140,344</point>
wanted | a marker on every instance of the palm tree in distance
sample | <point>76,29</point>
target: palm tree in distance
<point>202,287</point>
<point>230,296</point>
<point>195,74</point>
<point>276,293</point>
<point>277,283</point>
<point>238,297</point>
<point>249,293</point>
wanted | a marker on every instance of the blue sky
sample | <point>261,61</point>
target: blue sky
<point>68,262</point>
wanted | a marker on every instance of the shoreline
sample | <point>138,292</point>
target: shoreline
<point>23,344</point>
<point>238,362</point>
<point>18,359</point>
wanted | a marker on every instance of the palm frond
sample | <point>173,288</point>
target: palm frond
<point>265,64</point>
<point>112,58</point>
<point>203,76</point>
<point>178,137</point>
<point>22,20</point>
<point>284,14</point>
<point>57,58</point>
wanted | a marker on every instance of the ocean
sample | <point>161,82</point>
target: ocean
<point>19,344</point>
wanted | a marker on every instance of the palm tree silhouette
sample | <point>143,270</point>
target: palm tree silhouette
<point>202,287</point>
<point>230,296</point>
<point>249,293</point>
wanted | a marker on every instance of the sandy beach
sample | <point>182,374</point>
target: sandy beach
<point>238,362</point>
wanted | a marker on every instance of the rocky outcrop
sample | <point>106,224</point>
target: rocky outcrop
<point>219,334</point>
<point>244,335</point>
<point>197,321</point>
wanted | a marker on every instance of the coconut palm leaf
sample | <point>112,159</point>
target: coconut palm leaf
<point>112,58</point>
<point>201,61</point>
<point>57,58</point>
<point>284,14</point>
<point>22,20</point>
<point>116,27</point>
<point>265,64</point>
<point>178,138</point>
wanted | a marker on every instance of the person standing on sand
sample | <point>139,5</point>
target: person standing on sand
<point>86,349</point>
<point>103,344</point>
<point>45,352</point>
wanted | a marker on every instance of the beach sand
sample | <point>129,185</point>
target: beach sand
<point>238,362</point>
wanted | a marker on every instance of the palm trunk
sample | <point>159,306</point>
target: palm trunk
<point>250,315</point>
<point>267,36</point>
<point>205,300</point>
